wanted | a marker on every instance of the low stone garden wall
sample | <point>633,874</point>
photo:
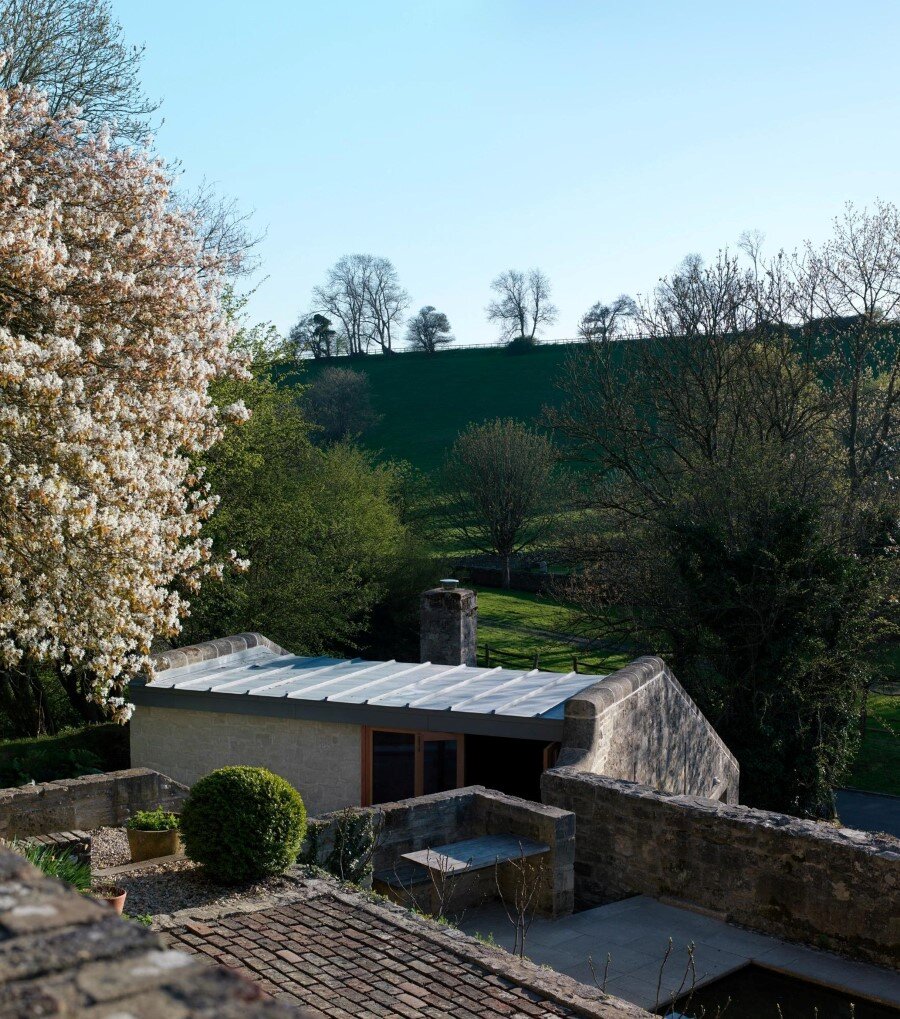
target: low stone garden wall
<point>829,887</point>
<point>428,821</point>
<point>93,801</point>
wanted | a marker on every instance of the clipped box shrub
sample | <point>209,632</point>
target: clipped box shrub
<point>243,824</point>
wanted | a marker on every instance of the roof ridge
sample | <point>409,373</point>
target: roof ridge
<point>209,650</point>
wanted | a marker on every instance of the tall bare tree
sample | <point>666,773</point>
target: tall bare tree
<point>607,321</point>
<point>386,300</point>
<point>849,304</point>
<point>224,229</point>
<point>363,293</point>
<point>75,52</point>
<point>428,329</point>
<point>344,296</point>
<point>522,305</point>
<point>500,487</point>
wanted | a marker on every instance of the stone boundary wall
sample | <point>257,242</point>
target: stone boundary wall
<point>426,821</point>
<point>92,801</point>
<point>832,888</point>
<point>66,954</point>
<point>639,724</point>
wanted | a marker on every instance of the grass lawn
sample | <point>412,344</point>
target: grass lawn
<point>877,768</point>
<point>504,617</point>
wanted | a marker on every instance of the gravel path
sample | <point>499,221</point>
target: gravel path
<point>165,888</point>
<point>109,848</point>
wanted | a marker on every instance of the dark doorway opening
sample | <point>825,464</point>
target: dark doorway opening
<point>512,766</point>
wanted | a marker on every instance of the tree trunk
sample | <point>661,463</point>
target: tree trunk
<point>24,702</point>
<point>506,571</point>
<point>76,690</point>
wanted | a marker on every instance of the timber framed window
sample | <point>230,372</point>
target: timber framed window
<point>400,763</point>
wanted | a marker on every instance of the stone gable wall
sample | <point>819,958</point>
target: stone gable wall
<point>831,888</point>
<point>92,801</point>
<point>639,724</point>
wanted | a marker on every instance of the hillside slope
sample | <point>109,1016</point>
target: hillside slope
<point>425,402</point>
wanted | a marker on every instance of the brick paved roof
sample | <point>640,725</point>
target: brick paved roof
<point>344,956</point>
<point>64,954</point>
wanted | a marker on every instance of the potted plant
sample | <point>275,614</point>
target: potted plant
<point>152,833</point>
<point>113,895</point>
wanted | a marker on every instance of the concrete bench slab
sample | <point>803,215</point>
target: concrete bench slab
<point>476,854</point>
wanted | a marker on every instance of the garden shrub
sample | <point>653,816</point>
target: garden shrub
<point>152,820</point>
<point>355,836</point>
<point>49,765</point>
<point>243,824</point>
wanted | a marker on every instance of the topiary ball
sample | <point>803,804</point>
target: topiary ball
<point>243,824</point>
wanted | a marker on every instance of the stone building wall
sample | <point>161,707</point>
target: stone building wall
<point>639,724</point>
<point>323,760</point>
<point>832,888</point>
<point>92,801</point>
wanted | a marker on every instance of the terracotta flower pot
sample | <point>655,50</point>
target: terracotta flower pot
<point>113,897</point>
<point>147,845</point>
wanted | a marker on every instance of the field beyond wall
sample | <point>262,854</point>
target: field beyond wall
<point>426,401</point>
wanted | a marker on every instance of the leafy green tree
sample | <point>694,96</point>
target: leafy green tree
<point>500,488</point>
<point>723,523</point>
<point>318,531</point>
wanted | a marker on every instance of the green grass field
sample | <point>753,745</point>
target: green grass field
<point>425,402</point>
<point>505,619</point>
<point>877,768</point>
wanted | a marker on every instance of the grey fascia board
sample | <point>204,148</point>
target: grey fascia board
<point>516,727</point>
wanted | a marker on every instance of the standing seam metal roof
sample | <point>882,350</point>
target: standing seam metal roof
<point>260,672</point>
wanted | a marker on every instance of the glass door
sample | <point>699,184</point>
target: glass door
<point>399,764</point>
<point>440,759</point>
<point>393,771</point>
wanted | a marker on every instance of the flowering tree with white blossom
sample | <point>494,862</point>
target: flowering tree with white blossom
<point>111,331</point>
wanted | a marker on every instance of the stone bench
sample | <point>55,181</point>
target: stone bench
<point>446,879</point>
<point>476,854</point>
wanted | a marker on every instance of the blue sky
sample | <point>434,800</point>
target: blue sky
<point>599,141</point>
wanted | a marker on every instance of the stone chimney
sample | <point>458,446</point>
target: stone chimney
<point>448,624</point>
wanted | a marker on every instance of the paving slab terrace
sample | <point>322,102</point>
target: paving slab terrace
<point>635,935</point>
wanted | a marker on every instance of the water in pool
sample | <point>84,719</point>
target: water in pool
<point>757,993</point>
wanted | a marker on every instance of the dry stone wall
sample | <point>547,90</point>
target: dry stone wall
<point>832,888</point>
<point>92,801</point>
<point>427,821</point>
